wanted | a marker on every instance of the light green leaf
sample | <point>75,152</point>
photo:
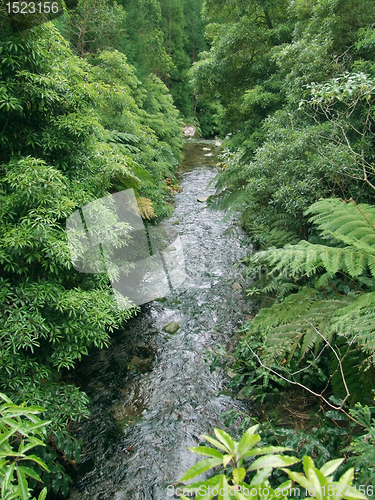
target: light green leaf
<point>239,474</point>
<point>227,459</point>
<point>347,478</point>
<point>215,443</point>
<point>206,451</point>
<point>42,494</point>
<point>298,478</point>
<point>331,466</point>
<point>273,461</point>
<point>22,483</point>
<point>8,475</point>
<point>267,450</point>
<point>226,439</point>
<point>248,440</point>
<point>200,467</point>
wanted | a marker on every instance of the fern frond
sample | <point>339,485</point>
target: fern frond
<point>146,208</point>
<point>307,258</point>
<point>348,222</point>
<point>293,323</point>
<point>357,321</point>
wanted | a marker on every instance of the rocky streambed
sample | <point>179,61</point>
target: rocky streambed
<point>152,391</point>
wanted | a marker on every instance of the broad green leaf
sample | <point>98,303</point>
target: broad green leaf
<point>42,494</point>
<point>215,443</point>
<point>226,439</point>
<point>8,475</point>
<point>347,477</point>
<point>22,483</point>
<point>298,478</point>
<point>212,482</point>
<point>267,450</point>
<point>38,460</point>
<point>308,465</point>
<point>352,493</point>
<point>29,472</point>
<point>206,451</point>
<point>331,466</point>
<point>273,461</point>
<point>319,482</point>
<point>261,476</point>
<point>239,474</point>
<point>224,489</point>
<point>200,467</point>
<point>247,442</point>
<point>4,437</point>
<point>227,459</point>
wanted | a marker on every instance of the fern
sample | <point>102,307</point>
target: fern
<point>288,325</point>
<point>146,208</point>
<point>292,325</point>
<point>308,259</point>
<point>348,222</point>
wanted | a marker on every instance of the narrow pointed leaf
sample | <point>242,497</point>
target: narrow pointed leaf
<point>42,494</point>
<point>226,439</point>
<point>29,472</point>
<point>206,451</point>
<point>215,443</point>
<point>22,484</point>
<point>38,460</point>
<point>273,461</point>
<point>247,442</point>
<point>200,467</point>
<point>331,466</point>
<point>267,450</point>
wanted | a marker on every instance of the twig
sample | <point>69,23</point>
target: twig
<point>293,382</point>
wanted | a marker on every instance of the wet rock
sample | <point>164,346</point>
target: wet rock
<point>189,131</point>
<point>231,373</point>
<point>202,199</point>
<point>142,365</point>
<point>172,327</point>
<point>236,286</point>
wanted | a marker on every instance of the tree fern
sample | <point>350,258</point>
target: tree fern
<point>293,324</point>
<point>348,222</point>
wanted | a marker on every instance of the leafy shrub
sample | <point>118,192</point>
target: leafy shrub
<point>20,431</point>
<point>236,462</point>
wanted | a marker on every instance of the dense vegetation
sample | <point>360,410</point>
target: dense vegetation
<point>91,104</point>
<point>295,82</point>
<point>73,129</point>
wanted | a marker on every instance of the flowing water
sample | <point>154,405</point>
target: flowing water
<point>152,392</point>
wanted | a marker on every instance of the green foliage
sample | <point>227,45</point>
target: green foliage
<point>233,457</point>
<point>20,432</point>
<point>72,132</point>
<point>362,448</point>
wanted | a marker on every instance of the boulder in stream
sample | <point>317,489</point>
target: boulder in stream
<point>172,327</point>
<point>202,199</point>
<point>236,286</point>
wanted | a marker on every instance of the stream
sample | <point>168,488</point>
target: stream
<point>152,392</point>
